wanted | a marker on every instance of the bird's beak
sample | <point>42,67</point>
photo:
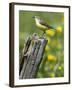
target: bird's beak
<point>33,17</point>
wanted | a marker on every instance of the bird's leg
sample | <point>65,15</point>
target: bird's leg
<point>43,35</point>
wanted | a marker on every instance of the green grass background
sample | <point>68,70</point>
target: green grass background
<point>53,60</point>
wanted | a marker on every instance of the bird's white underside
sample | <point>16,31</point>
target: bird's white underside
<point>39,25</point>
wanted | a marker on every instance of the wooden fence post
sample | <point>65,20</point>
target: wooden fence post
<point>32,57</point>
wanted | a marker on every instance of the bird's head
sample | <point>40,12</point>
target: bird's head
<point>36,17</point>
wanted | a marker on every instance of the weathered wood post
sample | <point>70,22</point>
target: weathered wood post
<point>32,57</point>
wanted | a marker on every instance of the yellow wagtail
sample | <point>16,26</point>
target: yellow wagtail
<point>41,24</point>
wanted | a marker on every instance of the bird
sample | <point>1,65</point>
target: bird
<point>42,25</point>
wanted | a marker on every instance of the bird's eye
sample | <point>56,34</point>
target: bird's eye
<point>33,17</point>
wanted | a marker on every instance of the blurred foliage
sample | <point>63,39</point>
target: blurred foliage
<point>53,60</point>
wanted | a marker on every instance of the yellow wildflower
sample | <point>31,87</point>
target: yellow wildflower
<point>50,32</point>
<point>59,67</point>
<point>59,29</point>
<point>52,58</point>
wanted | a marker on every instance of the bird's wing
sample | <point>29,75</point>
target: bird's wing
<point>42,22</point>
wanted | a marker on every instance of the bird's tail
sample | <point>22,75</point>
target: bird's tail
<point>50,27</point>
